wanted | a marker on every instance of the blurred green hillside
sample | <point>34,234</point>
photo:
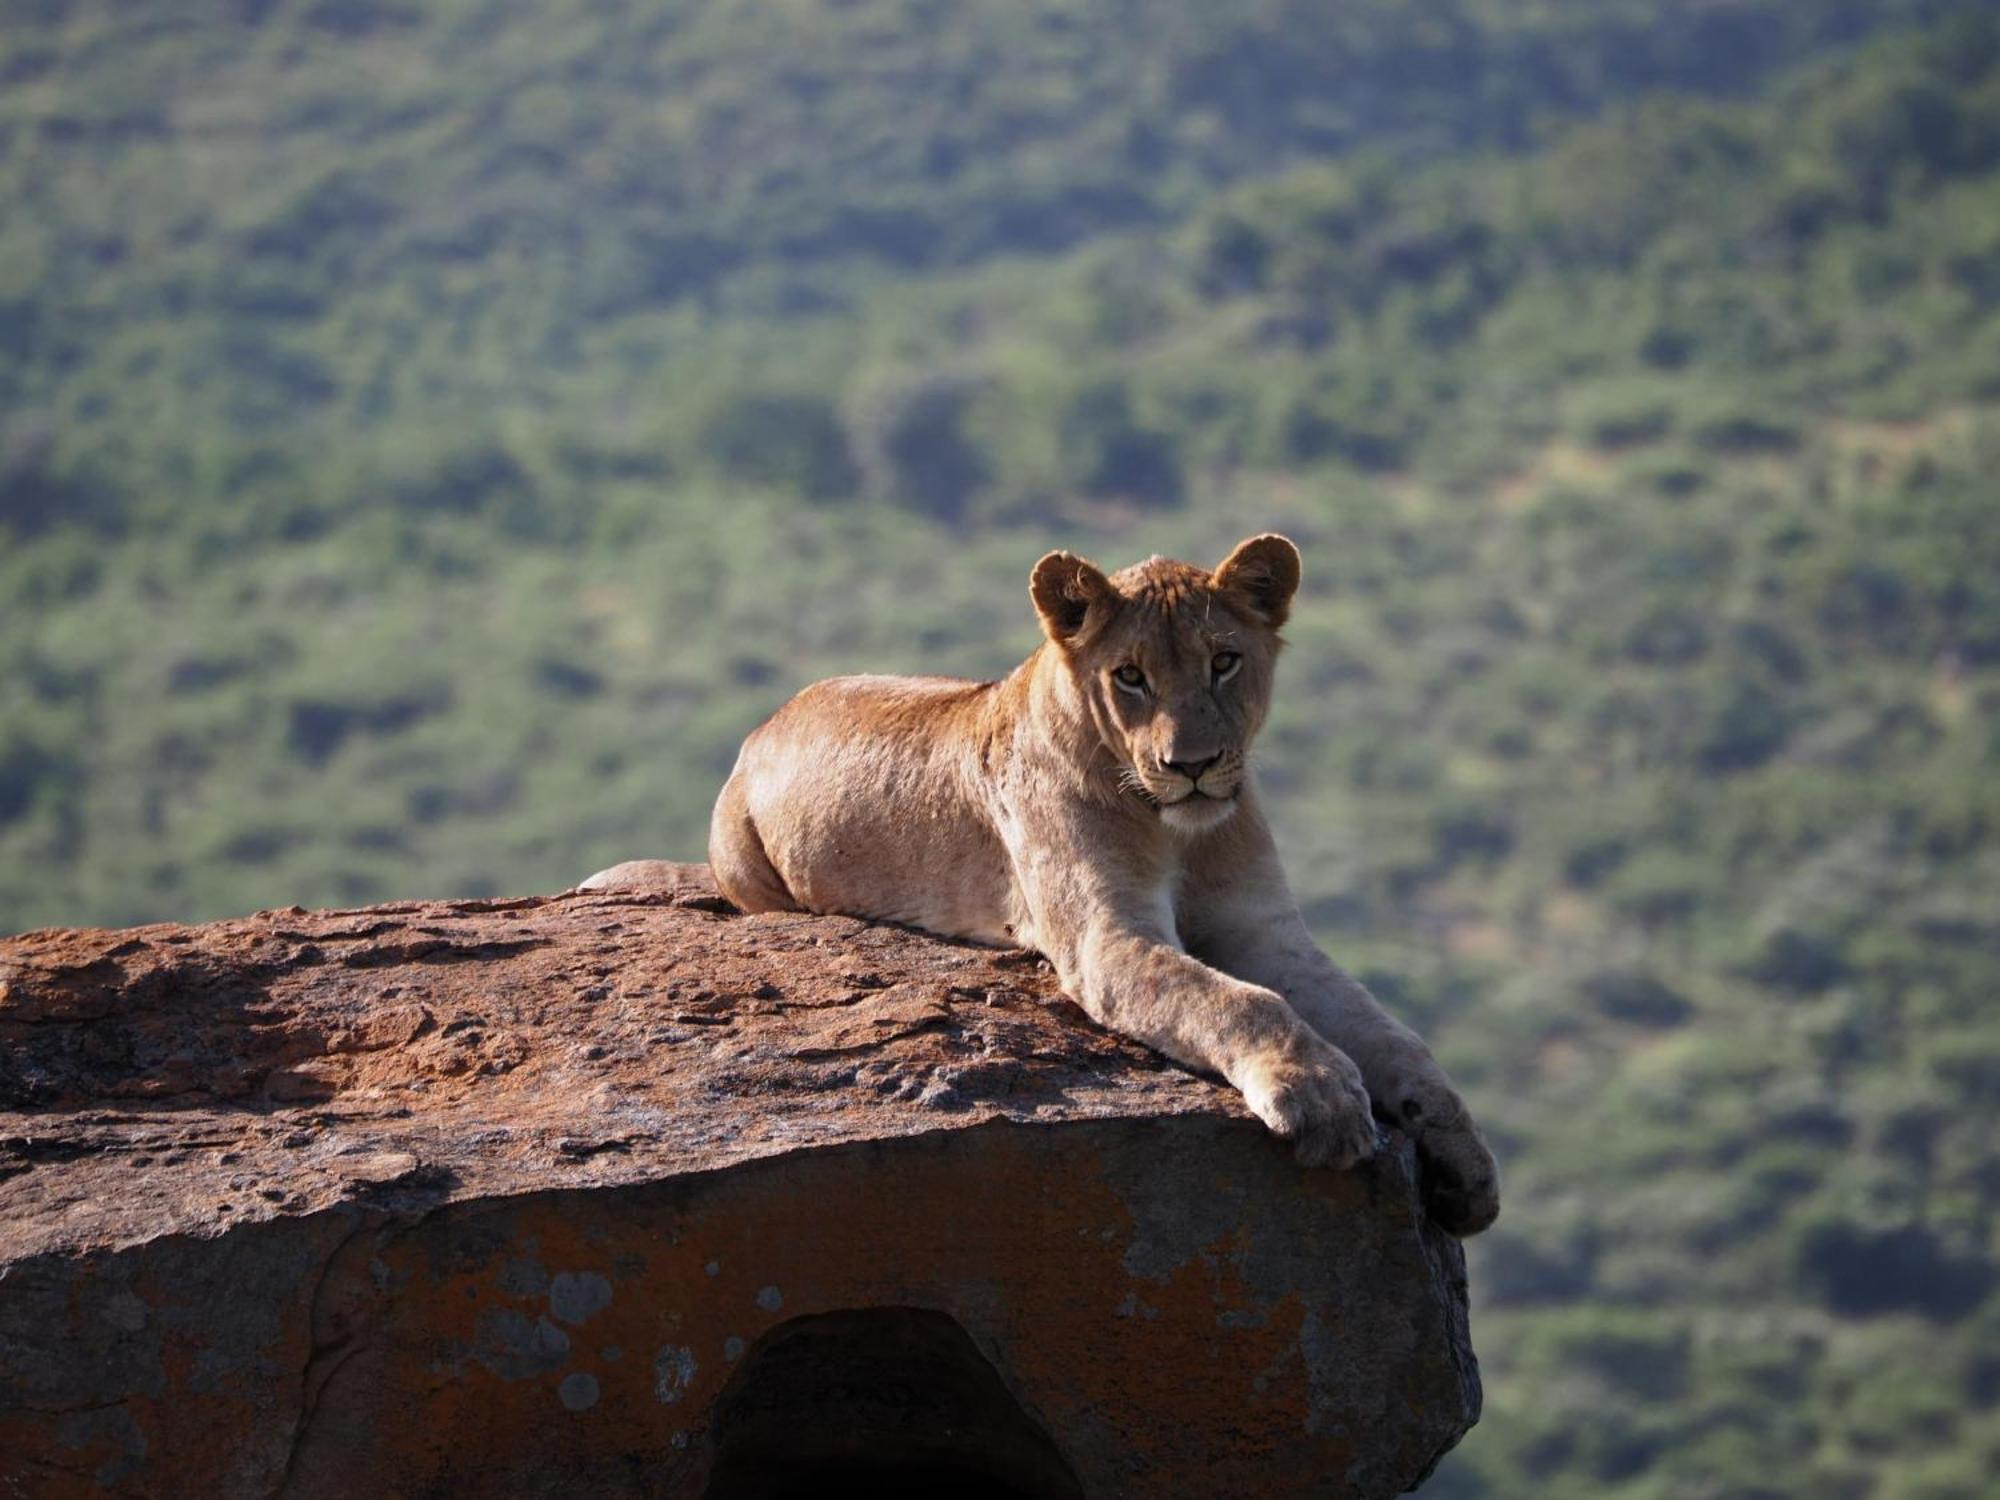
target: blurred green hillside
<point>430,437</point>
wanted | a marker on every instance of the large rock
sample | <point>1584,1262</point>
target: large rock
<point>620,1193</point>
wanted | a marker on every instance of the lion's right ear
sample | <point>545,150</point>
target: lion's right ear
<point>1066,588</point>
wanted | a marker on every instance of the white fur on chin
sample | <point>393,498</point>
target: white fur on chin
<point>1197,814</point>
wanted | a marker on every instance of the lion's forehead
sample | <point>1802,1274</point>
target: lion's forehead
<point>1161,584</point>
<point>1173,602</point>
<point>1182,636</point>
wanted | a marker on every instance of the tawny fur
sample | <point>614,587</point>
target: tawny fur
<point>1116,830</point>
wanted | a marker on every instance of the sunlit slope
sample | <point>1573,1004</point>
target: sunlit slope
<point>239,235</point>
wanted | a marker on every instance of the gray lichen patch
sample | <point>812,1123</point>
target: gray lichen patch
<point>576,1296</point>
<point>673,1373</point>
<point>515,1349</point>
<point>523,1275</point>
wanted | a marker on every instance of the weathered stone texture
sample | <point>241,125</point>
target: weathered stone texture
<point>563,1196</point>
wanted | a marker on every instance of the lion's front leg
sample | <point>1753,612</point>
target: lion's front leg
<point>1251,930</point>
<point>1407,1084</point>
<point>1127,969</point>
<point>1290,1075</point>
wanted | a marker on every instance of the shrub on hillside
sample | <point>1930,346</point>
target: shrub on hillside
<point>912,445</point>
<point>788,440</point>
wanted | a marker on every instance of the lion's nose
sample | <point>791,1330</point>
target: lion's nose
<point>1191,769</point>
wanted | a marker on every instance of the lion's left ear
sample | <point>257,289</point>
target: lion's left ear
<point>1265,570</point>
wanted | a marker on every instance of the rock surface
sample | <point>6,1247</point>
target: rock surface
<point>621,1193</point>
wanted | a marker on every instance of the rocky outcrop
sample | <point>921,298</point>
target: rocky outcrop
<point>621,1193</point>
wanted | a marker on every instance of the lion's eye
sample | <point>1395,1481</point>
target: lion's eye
<point>1130,678</point>
<point>1225,664</point>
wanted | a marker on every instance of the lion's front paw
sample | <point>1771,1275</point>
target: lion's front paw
<point>1311,1094</point>
<point>1461,1181</point>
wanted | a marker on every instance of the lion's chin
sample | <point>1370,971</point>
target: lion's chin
<point>1197,814</point>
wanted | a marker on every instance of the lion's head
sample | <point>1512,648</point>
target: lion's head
<point>1174,664</point>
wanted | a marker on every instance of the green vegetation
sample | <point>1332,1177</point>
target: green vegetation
<point>430,439</point>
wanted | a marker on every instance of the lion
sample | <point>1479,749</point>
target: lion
<point>1097,806</point>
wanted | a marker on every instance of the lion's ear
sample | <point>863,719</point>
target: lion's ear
<point>1065,589</point>
<point>1265,570</point>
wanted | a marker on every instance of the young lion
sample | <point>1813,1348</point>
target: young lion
<point>1097,806</point>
